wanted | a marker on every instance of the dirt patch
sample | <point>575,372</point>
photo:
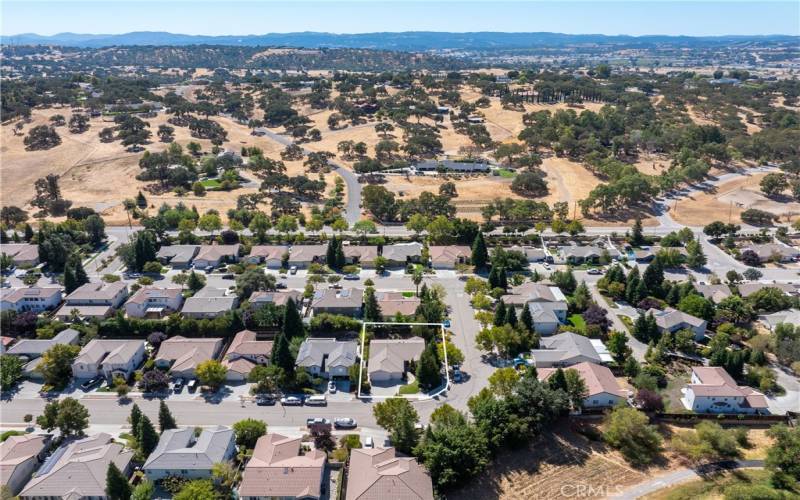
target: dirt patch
<point>730,199</point>
<point>555,466</point>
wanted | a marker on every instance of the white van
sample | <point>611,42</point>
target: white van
<point>316,401</point>
<point>369,443</point>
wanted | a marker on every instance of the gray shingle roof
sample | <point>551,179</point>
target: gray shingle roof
<point>37,347</point>
<point>177,449</point>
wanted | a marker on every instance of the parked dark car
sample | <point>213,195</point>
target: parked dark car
<point>91,383</point>
<point>354,277</point>
<point>178,385</point>
<point>345,423</point>
<point>265,400</point>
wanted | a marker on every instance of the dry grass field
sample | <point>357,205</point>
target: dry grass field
<point>556,466</point>
<point>732,198</point>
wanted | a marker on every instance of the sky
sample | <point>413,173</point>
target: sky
<point>208,17</point>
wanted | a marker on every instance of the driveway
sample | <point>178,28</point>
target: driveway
<point>789,401</point>
<point>639,348</point>
<point>681,476</point>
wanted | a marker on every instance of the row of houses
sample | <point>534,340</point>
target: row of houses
<point>399,254</point>
<point>711,389</point>
<point>278,467</point>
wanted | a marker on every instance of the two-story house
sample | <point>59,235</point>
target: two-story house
<point>154,302</point>
<point>109,358</point>
<point>93,300</point>
<point>713,390</point>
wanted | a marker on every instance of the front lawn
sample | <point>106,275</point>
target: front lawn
<point>506,173</point>
<point>412,388</point>
<point>578,322</point>
<point>211,184</point>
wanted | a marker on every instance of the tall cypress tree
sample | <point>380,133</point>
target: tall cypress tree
<point>281,356</point>
<point>500,313</point>
<point>80,274</point>
<point>135,418</point>
<point>165,419</point>
<point>339,256</point>
<point>511,316</point>
<point>372,311</point>
<point>502,278</point>
<point>526,318</point>
<point>428,369</point>
<point>117,485</point>
<point>653,276</point>
<point>70,284</point>
<point>480,256</point>
<point>146,437</point>
<point>558,380</point>
<point>292,323</point>
<point>330,252</point>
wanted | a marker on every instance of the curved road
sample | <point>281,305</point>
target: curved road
<point>353,205</point>
<point>683,475</point>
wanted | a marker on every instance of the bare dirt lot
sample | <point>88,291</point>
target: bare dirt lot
<point>732,198</point>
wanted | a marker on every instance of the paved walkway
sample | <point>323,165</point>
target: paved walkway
<point>684,475</point>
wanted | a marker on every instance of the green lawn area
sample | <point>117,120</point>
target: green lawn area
<point>210,184</point>
<point>747,483</point>
<point>577,321</point>
<point>506,173</point>
<point>412,388</point>
<point>626,321</point>
<point>408,294</point>
<point>672,392</point>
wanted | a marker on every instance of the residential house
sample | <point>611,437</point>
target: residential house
<point>448,256</point>
<point>36,299</point>
<point>279,469</point>
<point>109,358</point>
<point>389,358</point>
<point>773,252</point>
<point>214,255</point>
<point>714,293</point>
<point>359,254</point>
<point>401,254</point>
<point>22,254</point>
<point>791,316</point>
<point>748,289</point>
<point>182,355</point>
<point>346,301</point>
<point>209,303</point>
<point>31,350</point>
<point>154,302</point>
<point>533,254</point>
<point>20,456</point>
<point>671,320</point>
<point>547,304</point>
<point>393,303</point>
<point>271,255</point>
<point>713,390</point>
<point>244,354</point>
<point>278,298</point>
<point>566,349</point>
<point>452,165</point>
<point>77,470</point>
<point>603,390</point>
<point>94,300</point>
<point>573,254</point>
<point>302,256</point>
<point>180,454</point>
<point>378,473</point>
<point>327,358</point>
<point>177,256</point>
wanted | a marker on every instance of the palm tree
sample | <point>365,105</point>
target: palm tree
<point>417,279</point>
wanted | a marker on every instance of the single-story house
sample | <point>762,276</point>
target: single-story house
<point>177,256</point>
<point>109,358</point>
<point>36,299</point>
<point>748,289</point>
<point>603,390</point>
<point>271,255</point>
<point>451,165</point>
<point>393,303</point>
<point>671,320</point>
<point>533,254</point>
<point>20,456</point>
<point>400,254</point>
<point>180,454</point>
<point>22,254</point>
<point>214,255</point>
<point>94,300</point>
<point>713,390</point>
<point>77,470</point>
<point>574,254</point>
<point>279,469</point>
<point>547,316</point>
<point>303,256</point>
<point>714,293</point>
<point>773,252</point>
<point>209,303</point>
<point>182,355</point>
<point>565,349</point>
<point>244,354</point>
<point>346,301</point>
<point>448,256</point>
<point>378,473</point>
<point>31,350</point>
<point>359,254</point>
<point>327,357</point>
<point>154,302</point>
<point>389,358</point>
<point>788,316</point>
<point>278,298</point>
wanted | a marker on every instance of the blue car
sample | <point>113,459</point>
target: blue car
<point>446,323</point>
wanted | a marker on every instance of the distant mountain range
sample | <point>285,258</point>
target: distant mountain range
<point>406,41</point>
